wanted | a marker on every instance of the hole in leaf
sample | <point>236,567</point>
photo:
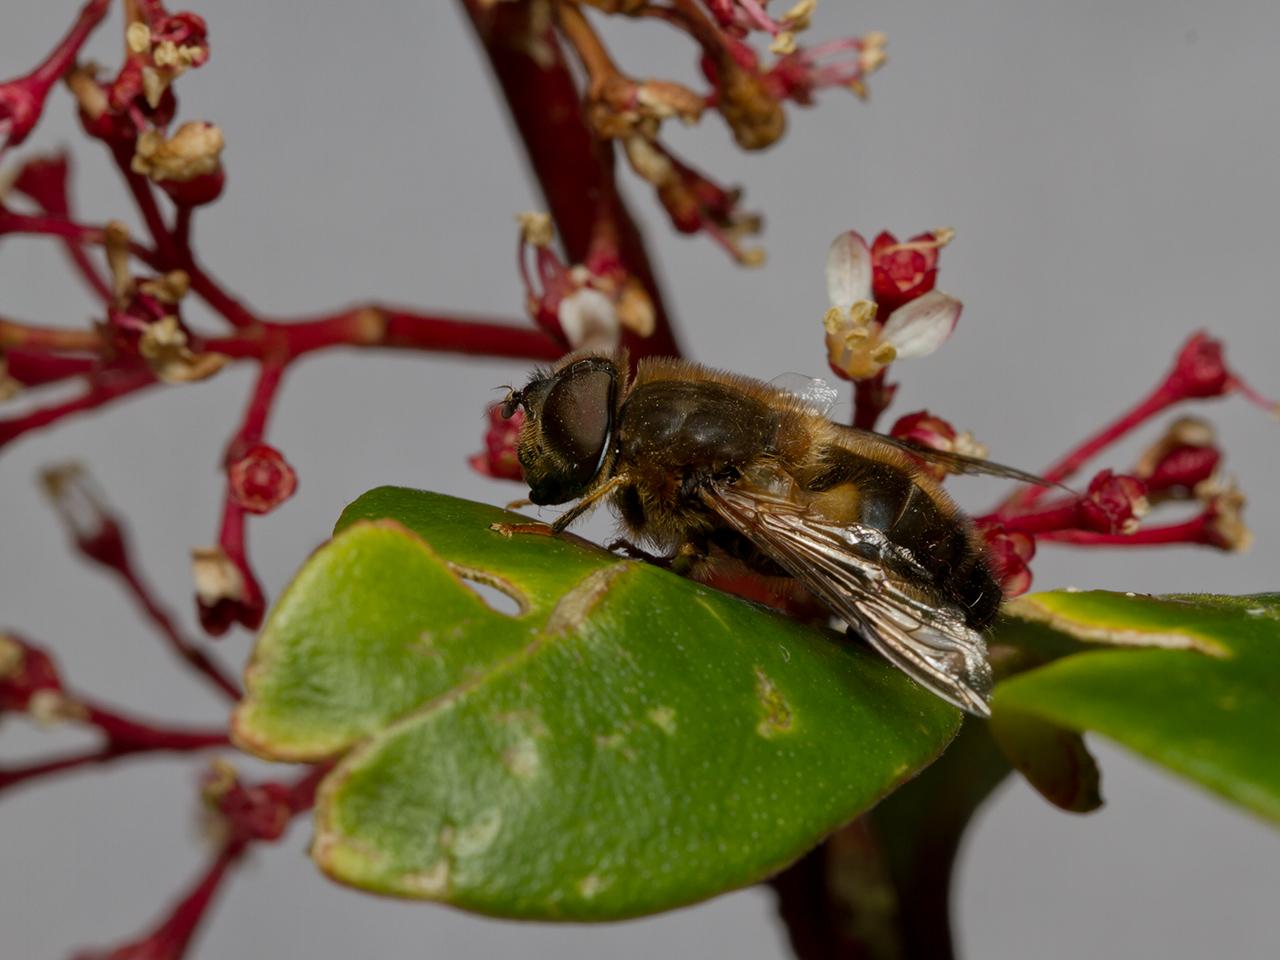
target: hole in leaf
<point>498,595</point>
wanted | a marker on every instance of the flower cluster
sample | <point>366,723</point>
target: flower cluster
<point>865,281</point>
<point>131,112</point>
<point>890,278</point>
<point>747,92</point>
<point>498,458</point>
<point>586,306</point>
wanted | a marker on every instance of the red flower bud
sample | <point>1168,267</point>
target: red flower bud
<point>226,591</point>
<point>1199,369</point>
<point>22,100</point>
<point>203,189</point>
<point>925,429</point>
<point>186,30</point>
<point>1183,468</point>
<point>21,103</point>
<point>1114,503</point>
<point>25,671</point>
<point>498,459</point>
<point>904,271</point>
<point>44,180</point>
<point>1010,554</point>
<point>249,812</point>
<point>1185,457</point>
<point>82,509</point>
<point>261,479</point>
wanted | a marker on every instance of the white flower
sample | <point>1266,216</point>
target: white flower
<point>589,320</point>
<point>858,343</point>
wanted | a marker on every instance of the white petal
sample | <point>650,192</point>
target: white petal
<point>589,320</point>
<point>848,270</point>
<point>922,325</point>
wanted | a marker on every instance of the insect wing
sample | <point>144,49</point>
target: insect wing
<point>957,462</point>
<point>818,395</point>
<point>933,645</point>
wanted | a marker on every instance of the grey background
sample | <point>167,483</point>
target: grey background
<point>1110,168</point>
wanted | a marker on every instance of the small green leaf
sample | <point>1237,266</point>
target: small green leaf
<point>1191,682</point>
<point>629,741</point>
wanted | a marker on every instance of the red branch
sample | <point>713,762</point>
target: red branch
<point>170,940</point>
<point>252,814</point>
<point>49,225</point>
<point>178,643</point>
<point>102,390</point>
<point>574,169</point>
<point>22,100</point>
<point>125,737</point>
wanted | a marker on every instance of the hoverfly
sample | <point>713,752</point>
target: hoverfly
<point>701,464</point>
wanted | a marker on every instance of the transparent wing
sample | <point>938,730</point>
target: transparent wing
<point>957,462</point>
<point>931,644</point>
<point>818,395</point>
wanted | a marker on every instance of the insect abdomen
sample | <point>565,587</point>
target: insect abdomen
<point>886,497</point>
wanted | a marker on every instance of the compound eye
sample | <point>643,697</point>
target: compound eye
<point>577,420</point>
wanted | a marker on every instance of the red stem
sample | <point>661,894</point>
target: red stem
<point>254,425</point>
<point>870,399</point>
<point>358,327</point>
<point>127,734</point>
<point>1025,496</point>
<point>12,776</point>
<point>68,230</point>
<point>108,387</point>
<point>1059,516</point>
<point>172,246</point>
<point>50,339</point>
<point>124,738</point>
<point>182,646</point>
<point>302,792</point>
<point>1191,531</point>
<point>182,230</point>
<point>574,169</point>
<point>40,369</point>
<point>64,54</point>
<point>87,271</point>
<point>172,938</point>
<point>145,200</point>
<point>231,309</point>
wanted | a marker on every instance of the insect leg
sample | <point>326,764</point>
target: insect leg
<point>589,501</point>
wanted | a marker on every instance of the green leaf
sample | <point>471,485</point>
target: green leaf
<point>628,742</point>
<point>1191,682</point>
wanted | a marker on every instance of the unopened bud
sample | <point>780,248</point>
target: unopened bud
<point>1199,370</point>
<point>498,459</point>
<point>262,479</point>
<point>1114,503</point>
<point>216,576</point>
<point>1010,554</point>
<point>83,512</point>
<point>26,674</point>
<point>1185,457</point>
